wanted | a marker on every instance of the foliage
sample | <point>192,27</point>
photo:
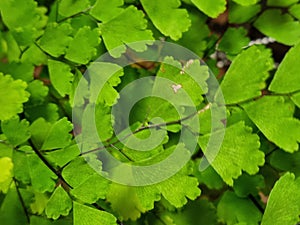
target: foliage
<point>53,173</point>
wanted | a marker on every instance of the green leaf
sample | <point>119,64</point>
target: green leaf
<point>34,55</point>
<point>242,14</point>
<point>234,40</point>
<point>61,76</point>
<point>247,75</point>
<point>246,185</point>
<point>167,17</point>
<point>56,38</point>
<point>105,10</point>
<point>12,95</point>
<point>38,92</point>
<point>39,130</point>
<point>125,29</point>
<point>59,135</point>
<point>38,220</point>
<point>59,204</point>
<point>275,24</point>
<point>240,146</point>
<point>16,131</point>
<point>234,210</point>
<point>42,178</point>
<point>108,79</point>
<point>273,115</point>
<point>281,3</point>
<point>212,8</point>
<point>11,211</point>
<point>295,11</point>
<point>21,167</point>
<point>89,186</point>
<point>190,79</point>
<point>142,198</point>
<point>246,2</point>
<point>209,177</point>
<point>40,203</point>
<point>22,71</point>
<point>283,202</point>
<point>296,99</point>
<point>68,8</point>
<point>285,161</point>
<point>87,38</point>
<point>193,39</point>
<point>6,176</point>
<point>48,111</point>
<point>63,156</point>
<point>196,213</point>
<point>287,79</point>
<point>84,215</point>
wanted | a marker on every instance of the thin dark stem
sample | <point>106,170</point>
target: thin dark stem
<point>45,161</point>
<point>151,126</point>
<point>256,203</point>
<point>21,200</point>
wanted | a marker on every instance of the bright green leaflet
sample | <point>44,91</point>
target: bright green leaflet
<point>21,167</point>
<point>276,25</point>
<point>42,178</point>
<point>59,204</point>
<point>234,40</point>
<point>273,115</point>
<point>212,8</point>
<point>105,10</point>
<point>295,11</point>
<point>125,29</point>
<point>39,130</point>
<point>287,79</point>
<point>284,202</point>
<point>281,3</point>
<point>39,204</point>
<point>34,55</point>
<point>85,215</point>
<point>23,21</point>
<point>58,136</point>
<point>142,198</point>
<point>16,131</point>
<point>167,18</point>
<point>38,92</point>
<point>14,53</point>
<point>84,37</point>
<point>296,99</point>
<point>56,38</point>
<point>6,167</point>
<point>246,2</point>
<point>71,7</point>
<point>234,210</point>
<point>185,78</point>
<point>89,186</point>
<point>61,76</point>
<point>239,145</point>
<point>108,95</point>
<point>11,211</point>
<point>12,96</point>
<point>247,75</point>
<point>63,156</point>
